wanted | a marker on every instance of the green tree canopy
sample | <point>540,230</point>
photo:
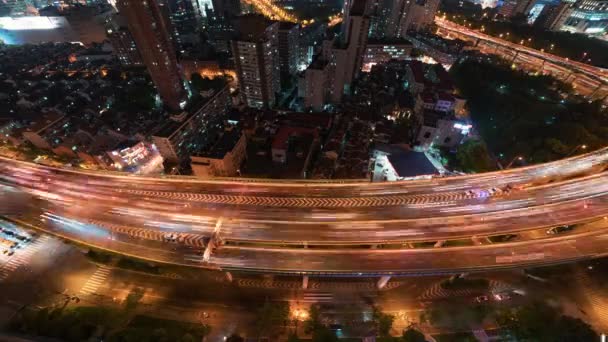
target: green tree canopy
<point>540,322</point>
<point>412,335</point>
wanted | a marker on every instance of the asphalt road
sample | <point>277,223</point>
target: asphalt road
<point>321,227</point>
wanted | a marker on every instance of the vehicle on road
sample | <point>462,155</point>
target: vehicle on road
<point>481,299</point>
<point>560,229</point>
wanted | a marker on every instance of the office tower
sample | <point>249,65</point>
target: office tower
<point>289,33</point>
<point>589,17</point>
<point>122,41</point>
<point>512,8</point>
<point>256,56</point>
<point>149,28</point>
<point>553,17</point>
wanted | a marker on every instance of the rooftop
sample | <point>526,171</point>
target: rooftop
<point>407,163</point>
<point>224,145</point>
<point>252,27</point>
<point>392,41</point>
<point>281,139</point>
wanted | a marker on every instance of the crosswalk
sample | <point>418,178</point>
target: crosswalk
<point>316,297</point>
<point>312,285</point>
<point>96,280</point>
<point>438,292</point>
<point>22,256</point>
<point>596,306</point>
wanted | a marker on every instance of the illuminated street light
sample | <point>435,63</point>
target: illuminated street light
<point>519,158</point>
<point>583,146</point>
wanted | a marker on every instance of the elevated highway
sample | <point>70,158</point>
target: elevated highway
<point>442,225</point>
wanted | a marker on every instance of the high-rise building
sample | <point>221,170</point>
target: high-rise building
<point>220,32</point>
<point>185,18</point>
<point>393,18</point>
<point>553,17</point>
<point>150,30</point>
<point>13,7</point>
<point>227,8</point>
<point>256,56</point>
<point>122,42</point>
<point>589,17</point>
<point>289,33</point>
<point>423,14</point>
<point>511,8</point>
<point>346,56</point>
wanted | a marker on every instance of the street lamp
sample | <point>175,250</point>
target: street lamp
<point>583,146</point>
<point>519,158</point>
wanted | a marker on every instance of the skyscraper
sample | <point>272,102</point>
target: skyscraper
<point>347,55</point>
<point>122,41</point>
<point>393,18</point>
<point>289,33</point>
<point>185,17</point>
<point>150,30</point>
<point>589,17</point>
<point>553,17</point>
<point>256,56</point>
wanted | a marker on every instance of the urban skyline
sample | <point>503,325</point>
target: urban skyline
<point>366,170</point>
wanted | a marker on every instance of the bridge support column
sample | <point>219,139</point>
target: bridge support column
<point>382,282</point>
<point>229,277</point>
<point>439,243</point>
<point>305,282</point>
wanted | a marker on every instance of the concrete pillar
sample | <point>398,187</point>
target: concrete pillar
<point>476,240</point>
<point>229,277</point>
<point>439,243</point>
<point>305,282</point>
<point>383,281</point>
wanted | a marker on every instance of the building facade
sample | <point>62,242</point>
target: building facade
<point>186,133</point>
<point>347,55</point>
<point>256,57</point>
<point>289,34</point>
<point>122,42</point>
<point>150,29</point>
<point>589,17</point>
<point>225,157</point>
<point>553,17</point>
<point>382,51</point>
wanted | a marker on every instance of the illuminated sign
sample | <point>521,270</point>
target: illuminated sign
<point>31,23</point>
<point>464,129</point>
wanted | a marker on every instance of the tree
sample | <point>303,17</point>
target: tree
<point>160,335</point>
<point>235,338</point>
<point>324,334</point>
<point>293,338</point>
<point>314,320</point>
<point>412,335</point>
<point>383,322</point>
<point>187,337</point>
<point>271,314</point>
<point>540,322</point>
<point>473,156</point>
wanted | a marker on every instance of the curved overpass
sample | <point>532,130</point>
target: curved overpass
<point>342,227</point>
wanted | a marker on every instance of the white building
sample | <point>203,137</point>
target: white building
<point>225,157</point>
<point>256,57</point>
